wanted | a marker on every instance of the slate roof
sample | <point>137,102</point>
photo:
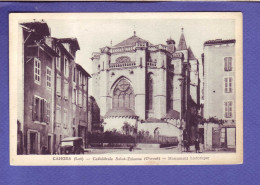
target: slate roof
<point>120,112</point>
<point>172,114</point>
<point>73,41</point>
<point>83,70</point>
<point>182,43</point>
<point>219,41</point>
<point>191,55</point>
<point>48,49</point>
<point>131,41</point>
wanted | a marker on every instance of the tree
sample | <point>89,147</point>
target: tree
<point>126,128</point>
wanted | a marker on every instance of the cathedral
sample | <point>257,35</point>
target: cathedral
<point>153,88</point>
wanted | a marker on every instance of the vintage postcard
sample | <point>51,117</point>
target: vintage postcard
<point>126,88</point>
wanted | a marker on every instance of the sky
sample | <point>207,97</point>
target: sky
<point>95,34</point>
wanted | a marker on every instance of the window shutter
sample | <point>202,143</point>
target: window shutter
<point>225,66</point>
<point>231,64</point>
<point>45,112</point>
<point>226,110</point>
<point>49,112</point>
<point>58,85</point>
<point>33,108</point>
<point>230,108</point>
<point>230,85</point>
<point>41,110</point>
<point>226,84</point>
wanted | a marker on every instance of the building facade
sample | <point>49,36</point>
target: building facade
<point>219,94</point>
<point>148,86</point>
<point>55,91</point>
<point>36,125</point>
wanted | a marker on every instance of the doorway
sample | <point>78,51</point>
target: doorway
<point>216,137</point>
<point>33,143</point>
<point>49,145</point>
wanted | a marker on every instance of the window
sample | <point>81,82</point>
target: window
<point>58,83</point>
<point>80,78</point>
<point>228,109</point>
<point>84,101</point>
<point>228,63</point>
<point>66,90</point>
<point>74,74</point>
<point>85,83</point>
<point>65,118</point>
<point>58,59</point>
<point>74,96</point>
<point>58,115</point>
<point>66,67</point>
<point>48,77</point>
<point>80,99</point>
<point>37,71</point>
<point>150,92</point>
<point>41,110</point>
<point>123,95</point>
<point>169,92</point>
<point>228,84</point>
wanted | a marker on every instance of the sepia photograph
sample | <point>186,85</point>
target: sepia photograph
<point>126,88</point>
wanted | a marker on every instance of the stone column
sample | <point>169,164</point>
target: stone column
<point>105,98</point>
<point>160,87</point>
<point>140,87</point>
<point>177,94</point>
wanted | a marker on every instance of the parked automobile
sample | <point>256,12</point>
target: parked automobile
<point>72,145</point>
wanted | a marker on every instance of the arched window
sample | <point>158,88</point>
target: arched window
<point>150,92</point>
<point>123,95</point>
<point>170,92</point>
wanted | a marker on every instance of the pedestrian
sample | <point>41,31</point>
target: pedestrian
<point>197,145</point>
<point>131,148</point>
<point>185,145</point>
<point>44,150</point>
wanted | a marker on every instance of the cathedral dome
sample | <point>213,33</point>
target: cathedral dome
<point>121,112</point>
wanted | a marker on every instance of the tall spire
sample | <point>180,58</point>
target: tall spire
<point>182,43</point>
<point>190,54</point>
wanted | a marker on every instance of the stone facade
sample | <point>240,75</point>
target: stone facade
<point>219,93</point>
<point>146,85</point>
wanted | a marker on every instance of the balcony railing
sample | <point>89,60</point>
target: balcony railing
<point>122,49</point>
<point>119,65</point>
<point>151,64</point>
<point>157,47</point>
